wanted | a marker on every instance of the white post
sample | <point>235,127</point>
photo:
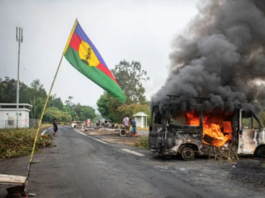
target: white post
<point>19,37</point>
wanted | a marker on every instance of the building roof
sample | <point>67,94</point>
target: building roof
<point>3,105</point>
<point>140,114</point>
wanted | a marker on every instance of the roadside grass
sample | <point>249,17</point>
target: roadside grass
<point>46,125</point>
<point>143,129</point>
<point>142,143</point>
<point>18,142</point>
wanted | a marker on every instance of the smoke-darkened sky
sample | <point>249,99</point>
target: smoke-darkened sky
<point>221,57</point>
<point>132,30</point>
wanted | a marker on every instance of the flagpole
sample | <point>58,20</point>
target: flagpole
<point>42,113</point>
<point>46,102</point>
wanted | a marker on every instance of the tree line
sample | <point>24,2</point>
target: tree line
<point>36,95</point>
<point>130,77</point>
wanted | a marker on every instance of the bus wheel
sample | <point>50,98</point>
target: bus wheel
<point>261,152</point>
<point>187,153</point>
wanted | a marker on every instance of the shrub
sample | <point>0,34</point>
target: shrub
<point>19,143</point>
<point>142,143</point>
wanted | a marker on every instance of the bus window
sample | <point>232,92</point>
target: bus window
<point>157,117</point>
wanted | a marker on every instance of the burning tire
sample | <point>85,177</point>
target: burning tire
<point>122,132</point>
<point>261,152</point>
<point>187,153</point>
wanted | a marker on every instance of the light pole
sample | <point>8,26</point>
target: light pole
<point>19,37</point>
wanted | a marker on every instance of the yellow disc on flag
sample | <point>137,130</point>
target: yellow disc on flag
<point>87,55</point>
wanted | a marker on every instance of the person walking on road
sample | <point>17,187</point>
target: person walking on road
<point>55,127</point>
<point>126,123</point>
<point>134,129</point>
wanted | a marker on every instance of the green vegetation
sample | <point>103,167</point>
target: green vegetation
<point>35,94</point>
<point>18,143</point>
<point>142,143</point>
<point>130,77</point>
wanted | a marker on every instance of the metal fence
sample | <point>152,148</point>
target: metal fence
<point>33,123</point>
<point>6,124</point>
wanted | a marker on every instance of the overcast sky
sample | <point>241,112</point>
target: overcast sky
<point>134,30</point>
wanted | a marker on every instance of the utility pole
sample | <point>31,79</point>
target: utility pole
<point>19,38</point>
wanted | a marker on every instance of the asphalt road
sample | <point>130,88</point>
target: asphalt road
<point>82,166</point>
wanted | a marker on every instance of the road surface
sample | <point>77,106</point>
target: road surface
<point>83,166</point>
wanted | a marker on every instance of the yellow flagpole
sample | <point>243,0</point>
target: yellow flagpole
<point>46,102</point>
<point>42,113</point>
<point>43,110</point>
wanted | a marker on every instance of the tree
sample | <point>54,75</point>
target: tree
<point>71,106</point>
<point>8,90</point>
<point>54,112</point>
<point>87,112</point>
<point>103,105</point>
<point>130,77</point>
<point>36,95</point>
<point>96,118</point>
<point>57,102</point>
<point>77,109</point>
<point>132,109</point>
<point>37,89</point>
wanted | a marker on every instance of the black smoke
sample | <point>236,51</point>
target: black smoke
<point>220,57</point>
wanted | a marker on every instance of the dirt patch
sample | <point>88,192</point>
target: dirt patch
<point>99,132</point>
<point>114,138</point>
<point>128,142</point>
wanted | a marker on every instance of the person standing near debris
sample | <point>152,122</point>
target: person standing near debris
<point>55,127</point>
<point>134,129</point>
<point>126,123</point>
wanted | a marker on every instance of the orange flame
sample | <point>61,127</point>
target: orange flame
<point>211,129</point>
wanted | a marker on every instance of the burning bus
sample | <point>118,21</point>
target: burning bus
<point>197,132</point>
<point>219,57</point>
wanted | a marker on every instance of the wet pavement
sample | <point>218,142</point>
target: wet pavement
<point>86,166</point>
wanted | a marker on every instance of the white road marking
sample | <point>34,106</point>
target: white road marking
<point>80,132</point>
<point>90,137</point>
<point>126,150</point>
<point>98,140</point>
<point>133,152</point>
<point>43,132</point>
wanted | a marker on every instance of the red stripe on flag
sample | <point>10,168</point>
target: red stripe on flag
<point>106,71</point>
<point>75,42</point>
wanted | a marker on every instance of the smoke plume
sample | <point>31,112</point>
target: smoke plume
<point>220,57</point>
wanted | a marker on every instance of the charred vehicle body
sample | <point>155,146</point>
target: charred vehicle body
<point>196,132</point>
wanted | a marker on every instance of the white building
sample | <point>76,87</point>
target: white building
<point>8,115</point>
<point>141,119</point>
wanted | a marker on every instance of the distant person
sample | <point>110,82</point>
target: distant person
<point>126,123</point>
<point>134,129</point>
<point>55,127</point>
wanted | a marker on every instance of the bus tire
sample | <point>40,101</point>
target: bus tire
<point>261,152</point>
<point>187,153</point>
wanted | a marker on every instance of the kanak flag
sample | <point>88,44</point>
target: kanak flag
<point>84,56</point>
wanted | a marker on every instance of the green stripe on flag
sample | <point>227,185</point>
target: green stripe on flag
<point>94,74</point>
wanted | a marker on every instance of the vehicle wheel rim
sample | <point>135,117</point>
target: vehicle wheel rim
<point>187,154</point>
